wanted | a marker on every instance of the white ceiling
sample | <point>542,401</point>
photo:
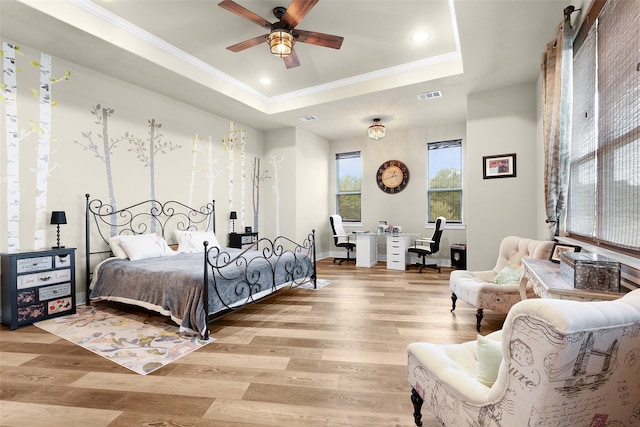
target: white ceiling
<point>177,48</point>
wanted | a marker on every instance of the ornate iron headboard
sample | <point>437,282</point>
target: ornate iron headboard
<point>149,216</point>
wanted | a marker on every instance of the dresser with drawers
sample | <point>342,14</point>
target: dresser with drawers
<point>397,246</point>
<point>37,285</point>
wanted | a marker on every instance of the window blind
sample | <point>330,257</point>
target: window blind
<point>604,192</point>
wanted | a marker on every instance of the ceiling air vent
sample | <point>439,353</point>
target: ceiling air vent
<point>307,118</point>
<point>429,95</point>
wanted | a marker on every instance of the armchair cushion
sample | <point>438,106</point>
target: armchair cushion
<point>489,358</point>
<point>508,275</point>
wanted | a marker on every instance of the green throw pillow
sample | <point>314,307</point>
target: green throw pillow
<point>489,358</point>
<point>509,275</point>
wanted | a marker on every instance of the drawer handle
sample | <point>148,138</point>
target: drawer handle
<point>45,279</point>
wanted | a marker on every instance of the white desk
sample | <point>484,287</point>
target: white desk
<point>396,248</point>
<point>547,283</point>
<point>366,249</point>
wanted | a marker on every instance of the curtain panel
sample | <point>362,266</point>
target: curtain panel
<point>557,67</point>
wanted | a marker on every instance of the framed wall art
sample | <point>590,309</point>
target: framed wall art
<point>499,166</point>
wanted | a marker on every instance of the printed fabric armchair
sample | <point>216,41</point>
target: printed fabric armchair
<point>498,289</point>
<point>554,363</point>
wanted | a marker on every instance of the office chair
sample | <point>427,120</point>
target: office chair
<point>341,238</point>
<point>423,247</point>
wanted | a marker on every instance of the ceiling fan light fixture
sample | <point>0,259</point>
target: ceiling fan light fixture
<point>376,130</point>
<point>280,42</point>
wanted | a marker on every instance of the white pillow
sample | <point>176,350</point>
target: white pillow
<point>116,246</point>
<point>191,241</point>
<point>149,247</point>
<point>140,246</point>
<point>489,359</point>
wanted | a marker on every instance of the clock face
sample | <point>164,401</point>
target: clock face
<point>392,176</point>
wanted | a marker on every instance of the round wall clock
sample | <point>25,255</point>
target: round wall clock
<point>392,176</point>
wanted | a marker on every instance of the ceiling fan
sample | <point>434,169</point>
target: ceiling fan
<point>283,33</point>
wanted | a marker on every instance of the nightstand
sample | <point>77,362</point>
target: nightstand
<point>38,285</point>
<point>242,240</point>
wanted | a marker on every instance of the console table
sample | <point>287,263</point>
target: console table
<point>546,281</point>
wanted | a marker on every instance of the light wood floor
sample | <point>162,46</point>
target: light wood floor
<point>335,356</point>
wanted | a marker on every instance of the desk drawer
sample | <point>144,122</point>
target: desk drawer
<point>396,264</point>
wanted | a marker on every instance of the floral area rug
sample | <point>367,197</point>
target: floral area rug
<point>134,341</point>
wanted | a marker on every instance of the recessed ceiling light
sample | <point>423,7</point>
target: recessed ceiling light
<point>419,37</point>
<point>265,81</point>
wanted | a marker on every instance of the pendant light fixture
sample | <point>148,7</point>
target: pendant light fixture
<point>377,130</point>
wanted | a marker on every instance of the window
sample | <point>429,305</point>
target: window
<point>604,184</point>
<point>349,186</point>
<point>444,186</point>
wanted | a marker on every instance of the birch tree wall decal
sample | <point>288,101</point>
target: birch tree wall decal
<point>9,89</point>
<point>14,137</point>
<point>243,178</point>
<point>277,164</point>
<point>44,144</point>
<point>228,144</point>
<point>104,148</point>
<point>194,167</point>
<point>147,155</point>
<point>211,172</point>
<point>256,178</point>
<point>236,140</point>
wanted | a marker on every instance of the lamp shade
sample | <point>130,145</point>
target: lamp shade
<point>233,215</point>
<point>58,217</point>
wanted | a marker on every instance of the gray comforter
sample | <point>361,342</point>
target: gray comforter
<point>173,285</point>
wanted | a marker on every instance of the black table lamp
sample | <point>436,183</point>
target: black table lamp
<point>57,218</point>
<point>233,216</point>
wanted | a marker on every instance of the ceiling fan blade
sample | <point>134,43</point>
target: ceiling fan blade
<point>248,43</point>
<point>234,7</point>
<point>320,39</point>
<point>296,10</point>
<point>291,61</point>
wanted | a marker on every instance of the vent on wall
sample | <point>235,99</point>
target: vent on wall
<point>429,95</point>
<point>307,118</point>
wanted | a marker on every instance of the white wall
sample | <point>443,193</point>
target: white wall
<point>499,122</point>
<point>302,176</point>
<point>312,192</point>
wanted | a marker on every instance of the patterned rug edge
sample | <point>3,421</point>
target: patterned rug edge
<point>133,341</point>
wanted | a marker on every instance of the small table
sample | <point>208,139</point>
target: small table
<point>547,283</point>
<point>242,240</point>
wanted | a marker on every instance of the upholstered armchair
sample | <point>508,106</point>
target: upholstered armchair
<point>554,363</point>
<point>498,289</point>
